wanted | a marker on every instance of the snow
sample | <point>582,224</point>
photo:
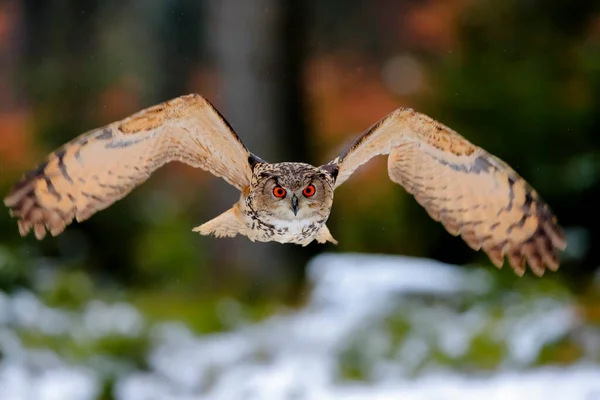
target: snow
<point>295,354</point>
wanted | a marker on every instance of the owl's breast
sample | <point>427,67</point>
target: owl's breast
<point>267,229</point>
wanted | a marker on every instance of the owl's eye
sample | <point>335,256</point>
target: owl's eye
<point>278,191</point>
<point>309,191</point>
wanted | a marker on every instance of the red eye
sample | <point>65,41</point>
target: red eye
<point>309,191</point>
<point>278,191</point>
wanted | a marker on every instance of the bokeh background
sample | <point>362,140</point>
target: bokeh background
<point>298,80</point>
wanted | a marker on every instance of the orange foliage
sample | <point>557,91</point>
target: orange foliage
<point>345,99</point>
<point>433,24</point>
<point>347,96</point>
<point>6,26</point>
<point>15,140</point>
<point>594,30</point>
<point>346,91</point>
<point>589,310</point>
<point>204,82</point>
<point>118,101</point>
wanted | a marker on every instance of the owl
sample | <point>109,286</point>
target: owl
<point>471,192</point>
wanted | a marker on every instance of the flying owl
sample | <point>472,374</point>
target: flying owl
<point>471,192</point>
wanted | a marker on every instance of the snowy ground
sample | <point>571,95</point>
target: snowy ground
<point>296,355</point>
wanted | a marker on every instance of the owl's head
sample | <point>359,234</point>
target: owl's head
<point>291,191</point>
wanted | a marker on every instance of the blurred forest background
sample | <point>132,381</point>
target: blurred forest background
<point>298,80</point>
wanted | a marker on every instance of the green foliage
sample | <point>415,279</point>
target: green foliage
<point>485,353</point>
<point>353,365</point>
<point>72,289</point>
<point>564,351</point>
<point>127,351</point>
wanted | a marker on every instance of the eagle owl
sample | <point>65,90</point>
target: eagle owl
<point>471,192</point>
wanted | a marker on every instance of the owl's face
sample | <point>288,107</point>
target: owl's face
<point>291,191</point>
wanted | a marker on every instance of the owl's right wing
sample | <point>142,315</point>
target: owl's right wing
<point>471,192</point>
<point>102,166</point>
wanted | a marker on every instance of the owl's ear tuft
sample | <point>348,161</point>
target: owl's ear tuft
<point>254,159</point>
<point>333,169</point>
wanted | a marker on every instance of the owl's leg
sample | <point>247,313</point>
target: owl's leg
<point>324,236</point>
<point>228,224</point>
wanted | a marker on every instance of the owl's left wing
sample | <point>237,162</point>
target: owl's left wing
<point>102,166</point>
<point>471,192</point>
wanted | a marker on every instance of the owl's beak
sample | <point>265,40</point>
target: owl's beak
<point>295,204</point>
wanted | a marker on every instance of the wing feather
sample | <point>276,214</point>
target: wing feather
<point>471,192</point>
<point>102,166</point>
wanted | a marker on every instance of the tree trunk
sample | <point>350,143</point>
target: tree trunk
<point>258,58</point>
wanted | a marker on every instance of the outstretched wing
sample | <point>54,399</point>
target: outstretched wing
<point>102,166</point>
<point>470,191</point>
